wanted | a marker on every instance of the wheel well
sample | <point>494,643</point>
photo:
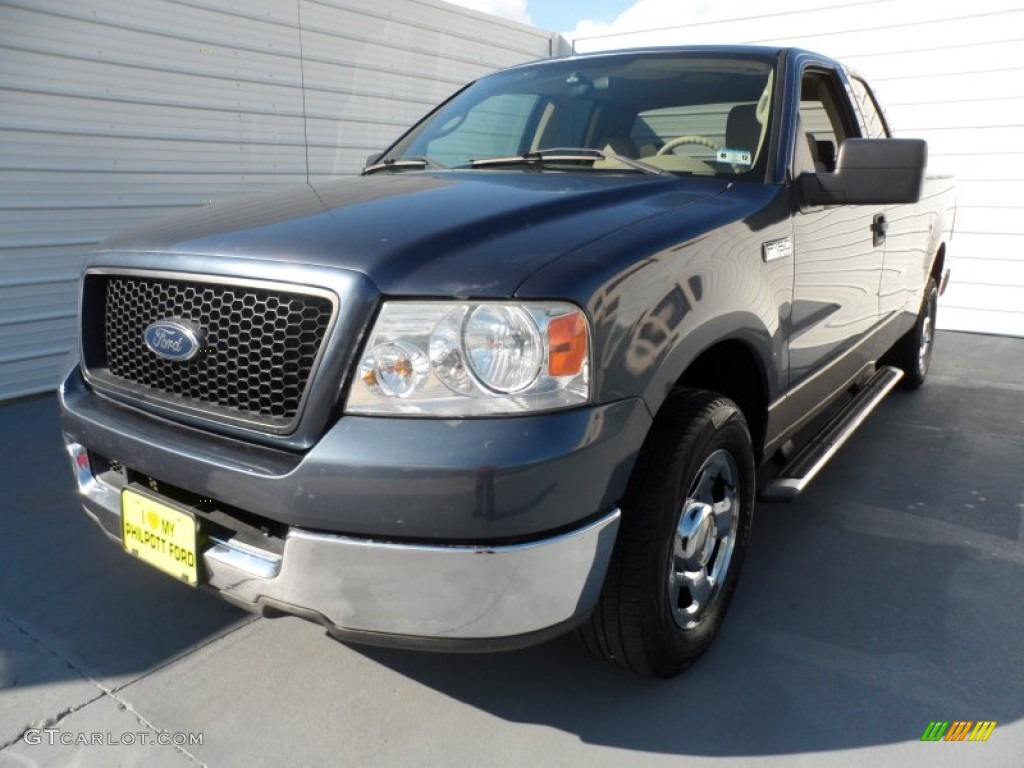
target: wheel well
<point>939,265</point>
<point>732,369</point>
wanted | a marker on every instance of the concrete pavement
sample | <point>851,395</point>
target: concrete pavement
<point>888,596</point>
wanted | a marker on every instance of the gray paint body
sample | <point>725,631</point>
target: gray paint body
<point>666,268</point>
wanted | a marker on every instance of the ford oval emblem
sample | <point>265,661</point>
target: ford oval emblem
<point>173,339</point>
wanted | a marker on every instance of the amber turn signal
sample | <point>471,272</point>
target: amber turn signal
<point>567,344</point>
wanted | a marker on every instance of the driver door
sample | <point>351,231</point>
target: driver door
<point>838,262</point>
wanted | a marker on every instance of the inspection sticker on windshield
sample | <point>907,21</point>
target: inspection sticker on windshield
<point>735,156</point>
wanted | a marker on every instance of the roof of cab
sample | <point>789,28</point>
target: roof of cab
<point>738,50</point>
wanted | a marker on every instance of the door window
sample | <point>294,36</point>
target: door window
<point>825,122</point>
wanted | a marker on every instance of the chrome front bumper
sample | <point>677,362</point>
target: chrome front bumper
<point>455,597</point>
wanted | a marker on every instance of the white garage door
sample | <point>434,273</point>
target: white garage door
<point>952,73</point>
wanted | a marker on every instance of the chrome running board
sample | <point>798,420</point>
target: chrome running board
<point>808,461</point>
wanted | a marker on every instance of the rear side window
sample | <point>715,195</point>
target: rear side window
<point>873,122</point>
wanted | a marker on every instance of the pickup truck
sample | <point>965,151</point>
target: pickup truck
<point>526,373</point>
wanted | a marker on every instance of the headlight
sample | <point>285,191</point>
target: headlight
<point>504,347</point>
<point>443,358</point>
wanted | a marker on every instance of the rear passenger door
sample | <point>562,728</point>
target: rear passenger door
<point>838,261</point>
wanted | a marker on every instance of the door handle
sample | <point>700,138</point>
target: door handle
<point>879,227</point>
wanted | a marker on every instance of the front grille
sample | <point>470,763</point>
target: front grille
<point>259,344</point>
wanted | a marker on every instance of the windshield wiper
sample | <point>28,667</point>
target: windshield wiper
<point>571,155</point>
<point>403,163</point>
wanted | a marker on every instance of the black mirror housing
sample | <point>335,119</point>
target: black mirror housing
<point>869,172</point>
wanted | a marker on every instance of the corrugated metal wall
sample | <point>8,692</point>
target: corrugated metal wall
<point>114,113</point>
<point>951,73</point>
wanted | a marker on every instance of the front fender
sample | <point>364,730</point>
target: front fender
<point>743,327</point>
<point>663,291</point>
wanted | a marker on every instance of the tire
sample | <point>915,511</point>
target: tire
<point>684,533</point>
<point>913,352</point>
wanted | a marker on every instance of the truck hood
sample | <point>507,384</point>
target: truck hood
<point>473,233</point>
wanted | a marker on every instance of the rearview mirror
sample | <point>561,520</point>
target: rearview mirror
<point>869,172</point>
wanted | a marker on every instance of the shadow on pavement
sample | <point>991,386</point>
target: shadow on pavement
<point>888,596</point>
<point>66,585</point>
<point>837,639</point>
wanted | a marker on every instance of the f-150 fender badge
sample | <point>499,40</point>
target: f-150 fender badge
<point>173,339</point>
<point>773,250</point>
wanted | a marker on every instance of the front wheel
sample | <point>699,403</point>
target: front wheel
<point>686,523</point>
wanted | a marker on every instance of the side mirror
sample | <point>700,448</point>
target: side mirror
<point>869,172</point>
<point>373,158</point>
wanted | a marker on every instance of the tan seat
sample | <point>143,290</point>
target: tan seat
<point>742,129</point>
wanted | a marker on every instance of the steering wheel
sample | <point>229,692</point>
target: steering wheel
<point>671,144</point>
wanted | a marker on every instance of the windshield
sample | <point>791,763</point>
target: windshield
<point>693,113</point>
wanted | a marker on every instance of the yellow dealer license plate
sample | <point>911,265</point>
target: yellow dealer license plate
<point>161,535</point>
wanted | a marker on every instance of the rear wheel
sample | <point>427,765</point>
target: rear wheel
<point>686,522</point>
<point>913,352</point>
